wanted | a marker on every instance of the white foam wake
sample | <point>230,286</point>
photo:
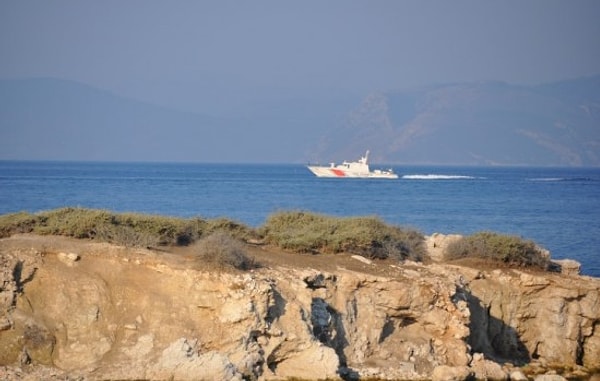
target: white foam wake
<point>436,177</point>
<point>547,179</point>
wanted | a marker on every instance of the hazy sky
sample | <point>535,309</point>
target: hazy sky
<point>174,52</point>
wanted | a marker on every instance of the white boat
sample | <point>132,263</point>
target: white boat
<point>358,168</point>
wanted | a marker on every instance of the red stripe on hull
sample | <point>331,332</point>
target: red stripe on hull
<point>338,172</point>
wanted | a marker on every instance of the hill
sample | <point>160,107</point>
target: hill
<point>52,119</point>
<point>489,123</point>
<point>63,120</point>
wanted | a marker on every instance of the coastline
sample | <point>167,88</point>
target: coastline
<point>556,214</point>
<point>159,314</point>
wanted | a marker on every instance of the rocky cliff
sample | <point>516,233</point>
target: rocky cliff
<point>74,309</point>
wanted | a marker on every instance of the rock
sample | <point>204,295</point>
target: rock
<point>68,258</point>
<point>437,243</point>
<point>544,253</point>
<point>182,361</point>
<point>451,373</point>
<point>24,358</point>
<point>517,316</point>
<point>566,266</point>
<point>5,323</point>
<point>517,375</point>
<point>549,377</point>
<point>316,279</point>
<point>315,362</point>
<point>488,370</point>
<point>362,259</point>
<point>153,317</point>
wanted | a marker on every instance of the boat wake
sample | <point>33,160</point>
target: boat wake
<point>437,177</point>
<point>547,179</point>
<point>562,179</point>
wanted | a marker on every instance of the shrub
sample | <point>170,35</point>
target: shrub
<point>507,249</point>
<point>72,222</point>
<point>297,231</point>
<point>368,236</point>
<point>221,250</point>
<point>128,229</point>
<point>234,229</point>
<point>126,236</point>
<point>158,230</point>
<point>15,223</point>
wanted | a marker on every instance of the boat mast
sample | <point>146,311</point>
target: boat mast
<point>365,158</point>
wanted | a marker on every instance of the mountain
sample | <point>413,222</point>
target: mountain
<point>52,119</point>
<point>489,123</point>
<point>56,119</point>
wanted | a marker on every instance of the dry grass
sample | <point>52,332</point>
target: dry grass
<point>222,251</point>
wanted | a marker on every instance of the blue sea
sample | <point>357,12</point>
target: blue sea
<point>559,208</point>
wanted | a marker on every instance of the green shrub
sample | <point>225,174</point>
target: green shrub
<point>297,231</point>
<point>16,223</point>
<point>126,236</point>
<point>160,229</point>
<point>128,229</point>
<point>221,250</point>
<point>234,229</point>
<point>507,249</point>
<point>72,222</point>
<point>369,236</point>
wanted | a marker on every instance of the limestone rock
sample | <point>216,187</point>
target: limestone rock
<point>362,259</point>
<point>519,316</point>
<point>437,243</point>
<point>549,377</point>
<point>451,373</point>
<point>182,361</point>
<point>68,258</point>
<point>488,370</point>
<point>156,317</point>
<point>517,375</point>
<point>567,266</point>
<point>313,362</point>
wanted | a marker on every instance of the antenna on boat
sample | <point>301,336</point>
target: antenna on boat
<point>365,158</point>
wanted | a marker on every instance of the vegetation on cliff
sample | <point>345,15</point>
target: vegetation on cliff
<point>368,236</point>
<point>128,229</point>
<point>221,250</point>
<point>298,231</point>
<point>499,248</point>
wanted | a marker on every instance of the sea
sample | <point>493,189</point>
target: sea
<point>558,208</point>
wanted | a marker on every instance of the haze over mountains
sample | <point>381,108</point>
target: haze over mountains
<point>487,123</point>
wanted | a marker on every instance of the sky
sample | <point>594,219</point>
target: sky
<point>194,54</point>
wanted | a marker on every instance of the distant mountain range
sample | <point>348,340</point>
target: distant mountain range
<point>488,123</point>
<point>52,119</point>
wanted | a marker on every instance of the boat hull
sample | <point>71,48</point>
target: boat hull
<point>320,171</point>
